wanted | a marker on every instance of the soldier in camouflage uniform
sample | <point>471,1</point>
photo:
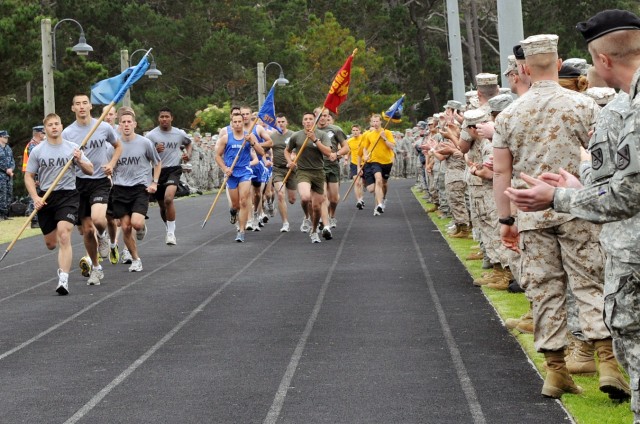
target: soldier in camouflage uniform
<point>7,165</point>
<point>543,131</point>
<point>449,152</point>
<point>613,197</point>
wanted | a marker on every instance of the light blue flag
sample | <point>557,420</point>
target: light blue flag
<point>113,89</point>
<point>268,111</point>
<point>394,113</point>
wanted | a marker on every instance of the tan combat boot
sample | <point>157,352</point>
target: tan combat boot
<point>475,256</point>
<point>492,277</point>
<point>526,323</point>
<point>580,360</point>
<point>432,208</point>
<point>463,232</point>
<point>558,380</point>
<point>612,382</point>
<point>503,283</point>
<point>514,323</point>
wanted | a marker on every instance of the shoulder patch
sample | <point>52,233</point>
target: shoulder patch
<point>596,159</point>
<point>623,157</point>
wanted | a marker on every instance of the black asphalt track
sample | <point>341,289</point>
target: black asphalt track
<point>379,325</point>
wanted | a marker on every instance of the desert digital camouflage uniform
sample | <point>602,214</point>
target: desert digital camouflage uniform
<point>456,187</point>
<point>440,179</point>
<point>474,183</point>
<point>544,130</point>
<point>613,198</point>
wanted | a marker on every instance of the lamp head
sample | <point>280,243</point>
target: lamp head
<point>82,48</point>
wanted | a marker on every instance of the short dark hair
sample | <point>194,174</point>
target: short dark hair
<point>165,109</point>
<point>281,115</point>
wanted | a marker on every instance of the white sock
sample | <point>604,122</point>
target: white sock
<point>171,227</point>
<point>113,245</point>
<point>64,276</point>
<point>98,267</point>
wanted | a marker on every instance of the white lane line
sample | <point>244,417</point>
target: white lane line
<point>458,364</point>
<point>285,383</point>
<point>98,302</point>
<point>143,358</point>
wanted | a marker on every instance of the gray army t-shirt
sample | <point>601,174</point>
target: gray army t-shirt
<point>47,160</point>
<point>96,148</point>
<point>136,162</point>
<point>173,140</point>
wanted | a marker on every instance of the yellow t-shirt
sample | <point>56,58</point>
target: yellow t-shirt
<point>355,145</point>
<point>381,153</point>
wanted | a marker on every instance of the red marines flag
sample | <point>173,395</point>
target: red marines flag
<point>340,87</point>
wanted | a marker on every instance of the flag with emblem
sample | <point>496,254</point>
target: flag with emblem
<point>340,86</point>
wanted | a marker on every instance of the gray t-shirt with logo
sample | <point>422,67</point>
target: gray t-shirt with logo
<point>47,160</point>
<point>136,162</point>
<point>173,140</point>
<point>96,148</point>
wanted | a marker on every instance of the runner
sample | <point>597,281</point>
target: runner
<point>280,143</point>
<point>132,183</point>
<point>378,145</point>
<point>94,189</point>
<point>355,166</point>
<point>60,212</point>
<point>239,178</point>
<point>169,142</point>
<point>310,169</point>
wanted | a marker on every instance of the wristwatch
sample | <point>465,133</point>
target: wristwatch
<point>507,221</point>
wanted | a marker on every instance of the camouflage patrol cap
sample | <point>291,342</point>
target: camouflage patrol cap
<point>512,65</point>
<point>474,117</point>
<point>602,95</point>
<point>500,102</point>
<point>486,79</point>
<point>540,44</point>
<point>578,63</point>
<point>4,133</point>
<point>452,104</point>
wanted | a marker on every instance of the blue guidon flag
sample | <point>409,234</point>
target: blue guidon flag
<point>394,113</point>
<point>113,89</point>
<point>268,111</point>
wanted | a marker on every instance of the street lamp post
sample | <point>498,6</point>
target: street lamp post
<point>262,80</point>
<point>125,62</point>
<point>49,56</point>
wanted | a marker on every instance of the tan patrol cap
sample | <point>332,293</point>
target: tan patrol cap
<point>474,117</point>
<point>486,79</point>
<point>540,44</point>
<point>512,66</point>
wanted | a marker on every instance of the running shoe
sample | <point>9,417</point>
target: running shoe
<point>360,204</point>
<point>103,245</point>
<point>375,212</point>
<point>380,208</point>
<point>63,285</point>
<point>126,256</point>
<point>264,218</point>
<point>114,255</point>
<point>233,216</point>
<point>306,225</point>
<point>136,265</point>
<point>240,237</point>
<point>285,227</point>
<point>315,238</point>
<point>333,222</point>
<point>170,239</point>
<point>85,266</point>
<point>140,234</point>
<point>249,226</point>
<point>95,277</point>
<point>270,208</point>
<point>326,233</point>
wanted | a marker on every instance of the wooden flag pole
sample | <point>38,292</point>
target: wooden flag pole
<point>58,178</point>
<point>226,178</point>
<point>304,144</point>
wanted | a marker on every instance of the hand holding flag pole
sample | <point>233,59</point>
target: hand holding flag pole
<point>267,114</point>
<point>392,114</point>
<point>337,95</point>
<point>108,88</point>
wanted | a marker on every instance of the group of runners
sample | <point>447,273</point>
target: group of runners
<point>114,172</point>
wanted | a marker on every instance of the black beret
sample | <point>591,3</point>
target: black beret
<point>568,71</point>
<point>607,21</point>
<point>518,52</point>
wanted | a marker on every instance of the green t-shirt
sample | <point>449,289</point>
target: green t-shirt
<point>337,138</point>
<point>280,142</point>
<point>311,157</point>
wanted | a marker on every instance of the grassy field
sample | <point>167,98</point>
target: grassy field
<point>591,407</point>
<point>9,229</point>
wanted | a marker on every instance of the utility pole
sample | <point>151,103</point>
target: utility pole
<point>510,31</point>
<point>455,49</point>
